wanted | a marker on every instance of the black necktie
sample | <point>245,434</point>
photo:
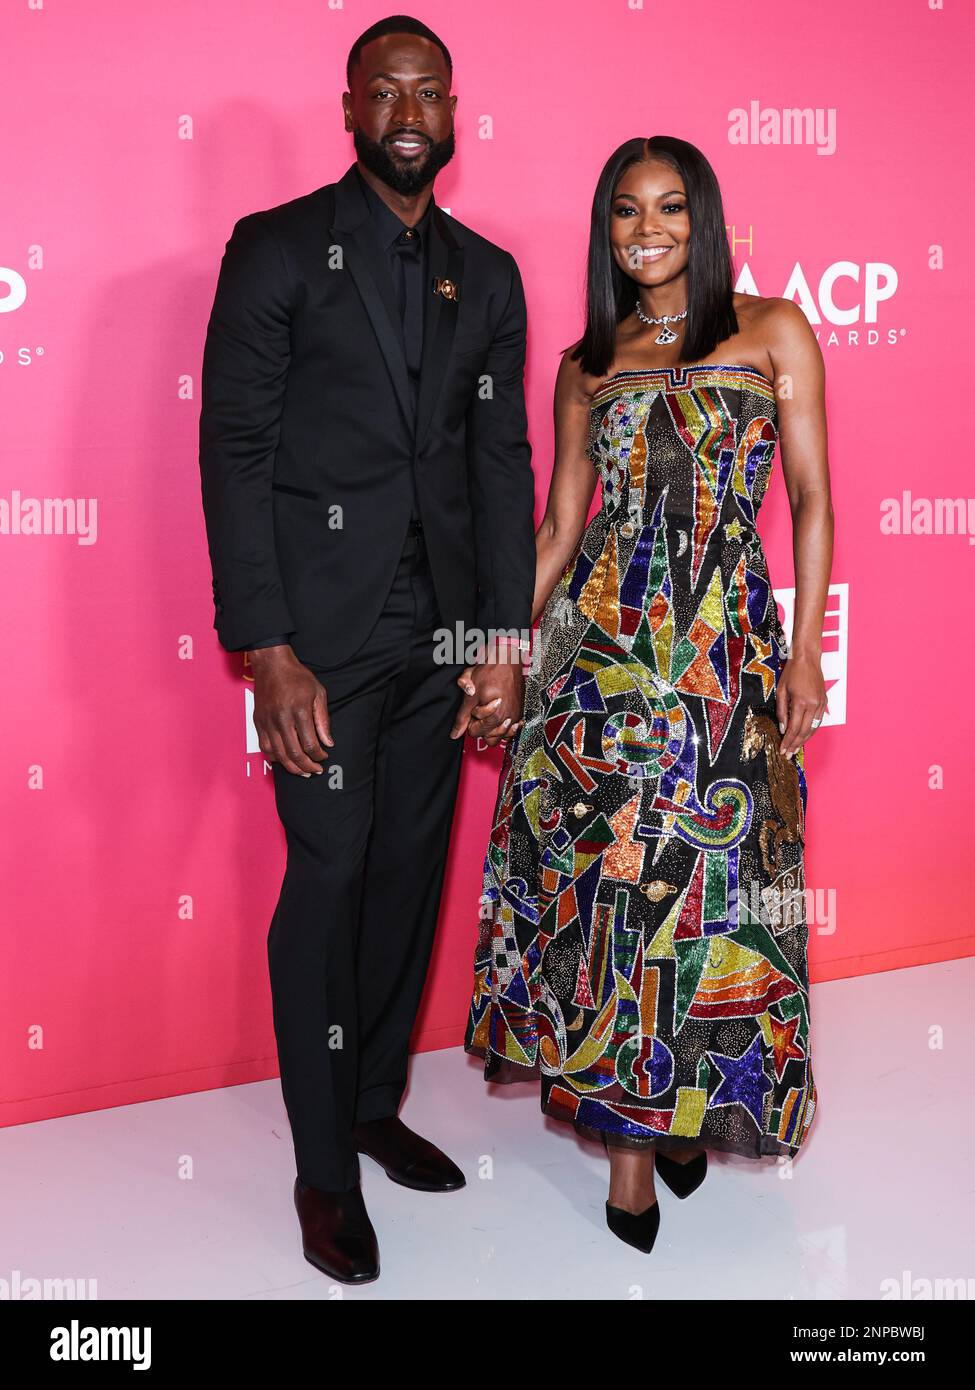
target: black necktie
<point>408,277</point>
<point>408,270</point>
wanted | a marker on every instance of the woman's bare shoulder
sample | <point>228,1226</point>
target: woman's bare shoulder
<point>572,383</point>
<point>773,318</point>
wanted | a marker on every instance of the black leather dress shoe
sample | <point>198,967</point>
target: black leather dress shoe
<point>408,1158</point>
<point>336,1234</point>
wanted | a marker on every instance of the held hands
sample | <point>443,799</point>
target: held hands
<point>291,707</point>
<point>292,721</point>
<point>494,694</point>
<point>800,702</point>
<point>290,711</point>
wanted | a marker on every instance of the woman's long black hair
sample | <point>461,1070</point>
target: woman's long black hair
<point>611,294</point>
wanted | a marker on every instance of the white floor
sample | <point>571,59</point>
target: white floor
<point>884,1190</point>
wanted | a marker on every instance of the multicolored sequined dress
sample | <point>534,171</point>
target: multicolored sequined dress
<point>643,942</point>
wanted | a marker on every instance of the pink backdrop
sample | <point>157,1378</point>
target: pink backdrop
<point>142,851</point>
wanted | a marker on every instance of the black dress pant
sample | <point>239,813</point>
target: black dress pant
<point>351,936</point>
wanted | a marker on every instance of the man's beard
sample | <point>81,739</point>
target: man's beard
<point>408,177</point>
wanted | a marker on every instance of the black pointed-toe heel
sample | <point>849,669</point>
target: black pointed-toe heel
<point>640,1231</point>
<point>682,1178</point>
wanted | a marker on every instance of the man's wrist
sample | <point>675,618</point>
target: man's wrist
<point>265,656</point>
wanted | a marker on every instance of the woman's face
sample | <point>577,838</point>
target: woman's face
<point>650,224</point>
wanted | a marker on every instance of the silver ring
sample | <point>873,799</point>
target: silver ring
<point>816,723</point>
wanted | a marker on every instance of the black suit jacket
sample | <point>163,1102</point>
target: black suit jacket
<point>308,438</point>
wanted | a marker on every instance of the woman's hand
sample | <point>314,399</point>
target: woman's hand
<point>800,702</point>
<point>494,695</point>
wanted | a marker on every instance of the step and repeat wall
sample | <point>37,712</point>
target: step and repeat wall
<point>142,854</point>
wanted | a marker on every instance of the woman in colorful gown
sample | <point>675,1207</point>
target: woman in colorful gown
<point>643,942</point>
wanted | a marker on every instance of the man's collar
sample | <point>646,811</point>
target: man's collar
<point>387,223</point>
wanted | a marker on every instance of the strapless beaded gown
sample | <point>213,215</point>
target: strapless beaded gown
<point>643,941</point>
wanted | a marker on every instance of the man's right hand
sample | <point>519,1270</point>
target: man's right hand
<point>290,711</point>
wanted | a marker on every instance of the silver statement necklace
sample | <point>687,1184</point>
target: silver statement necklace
<point>666,335</point>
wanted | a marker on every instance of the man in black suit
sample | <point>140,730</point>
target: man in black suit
<point>366,481</point>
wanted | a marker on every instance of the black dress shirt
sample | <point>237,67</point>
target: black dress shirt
<point>405,260</point>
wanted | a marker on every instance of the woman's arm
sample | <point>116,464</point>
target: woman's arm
<point>799,380</point>
<point>569,495</point>
<point>572,486</point>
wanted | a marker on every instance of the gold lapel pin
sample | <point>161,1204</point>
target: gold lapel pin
<point>447,288</point>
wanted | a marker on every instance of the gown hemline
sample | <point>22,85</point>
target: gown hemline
<point>513,1074</point>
